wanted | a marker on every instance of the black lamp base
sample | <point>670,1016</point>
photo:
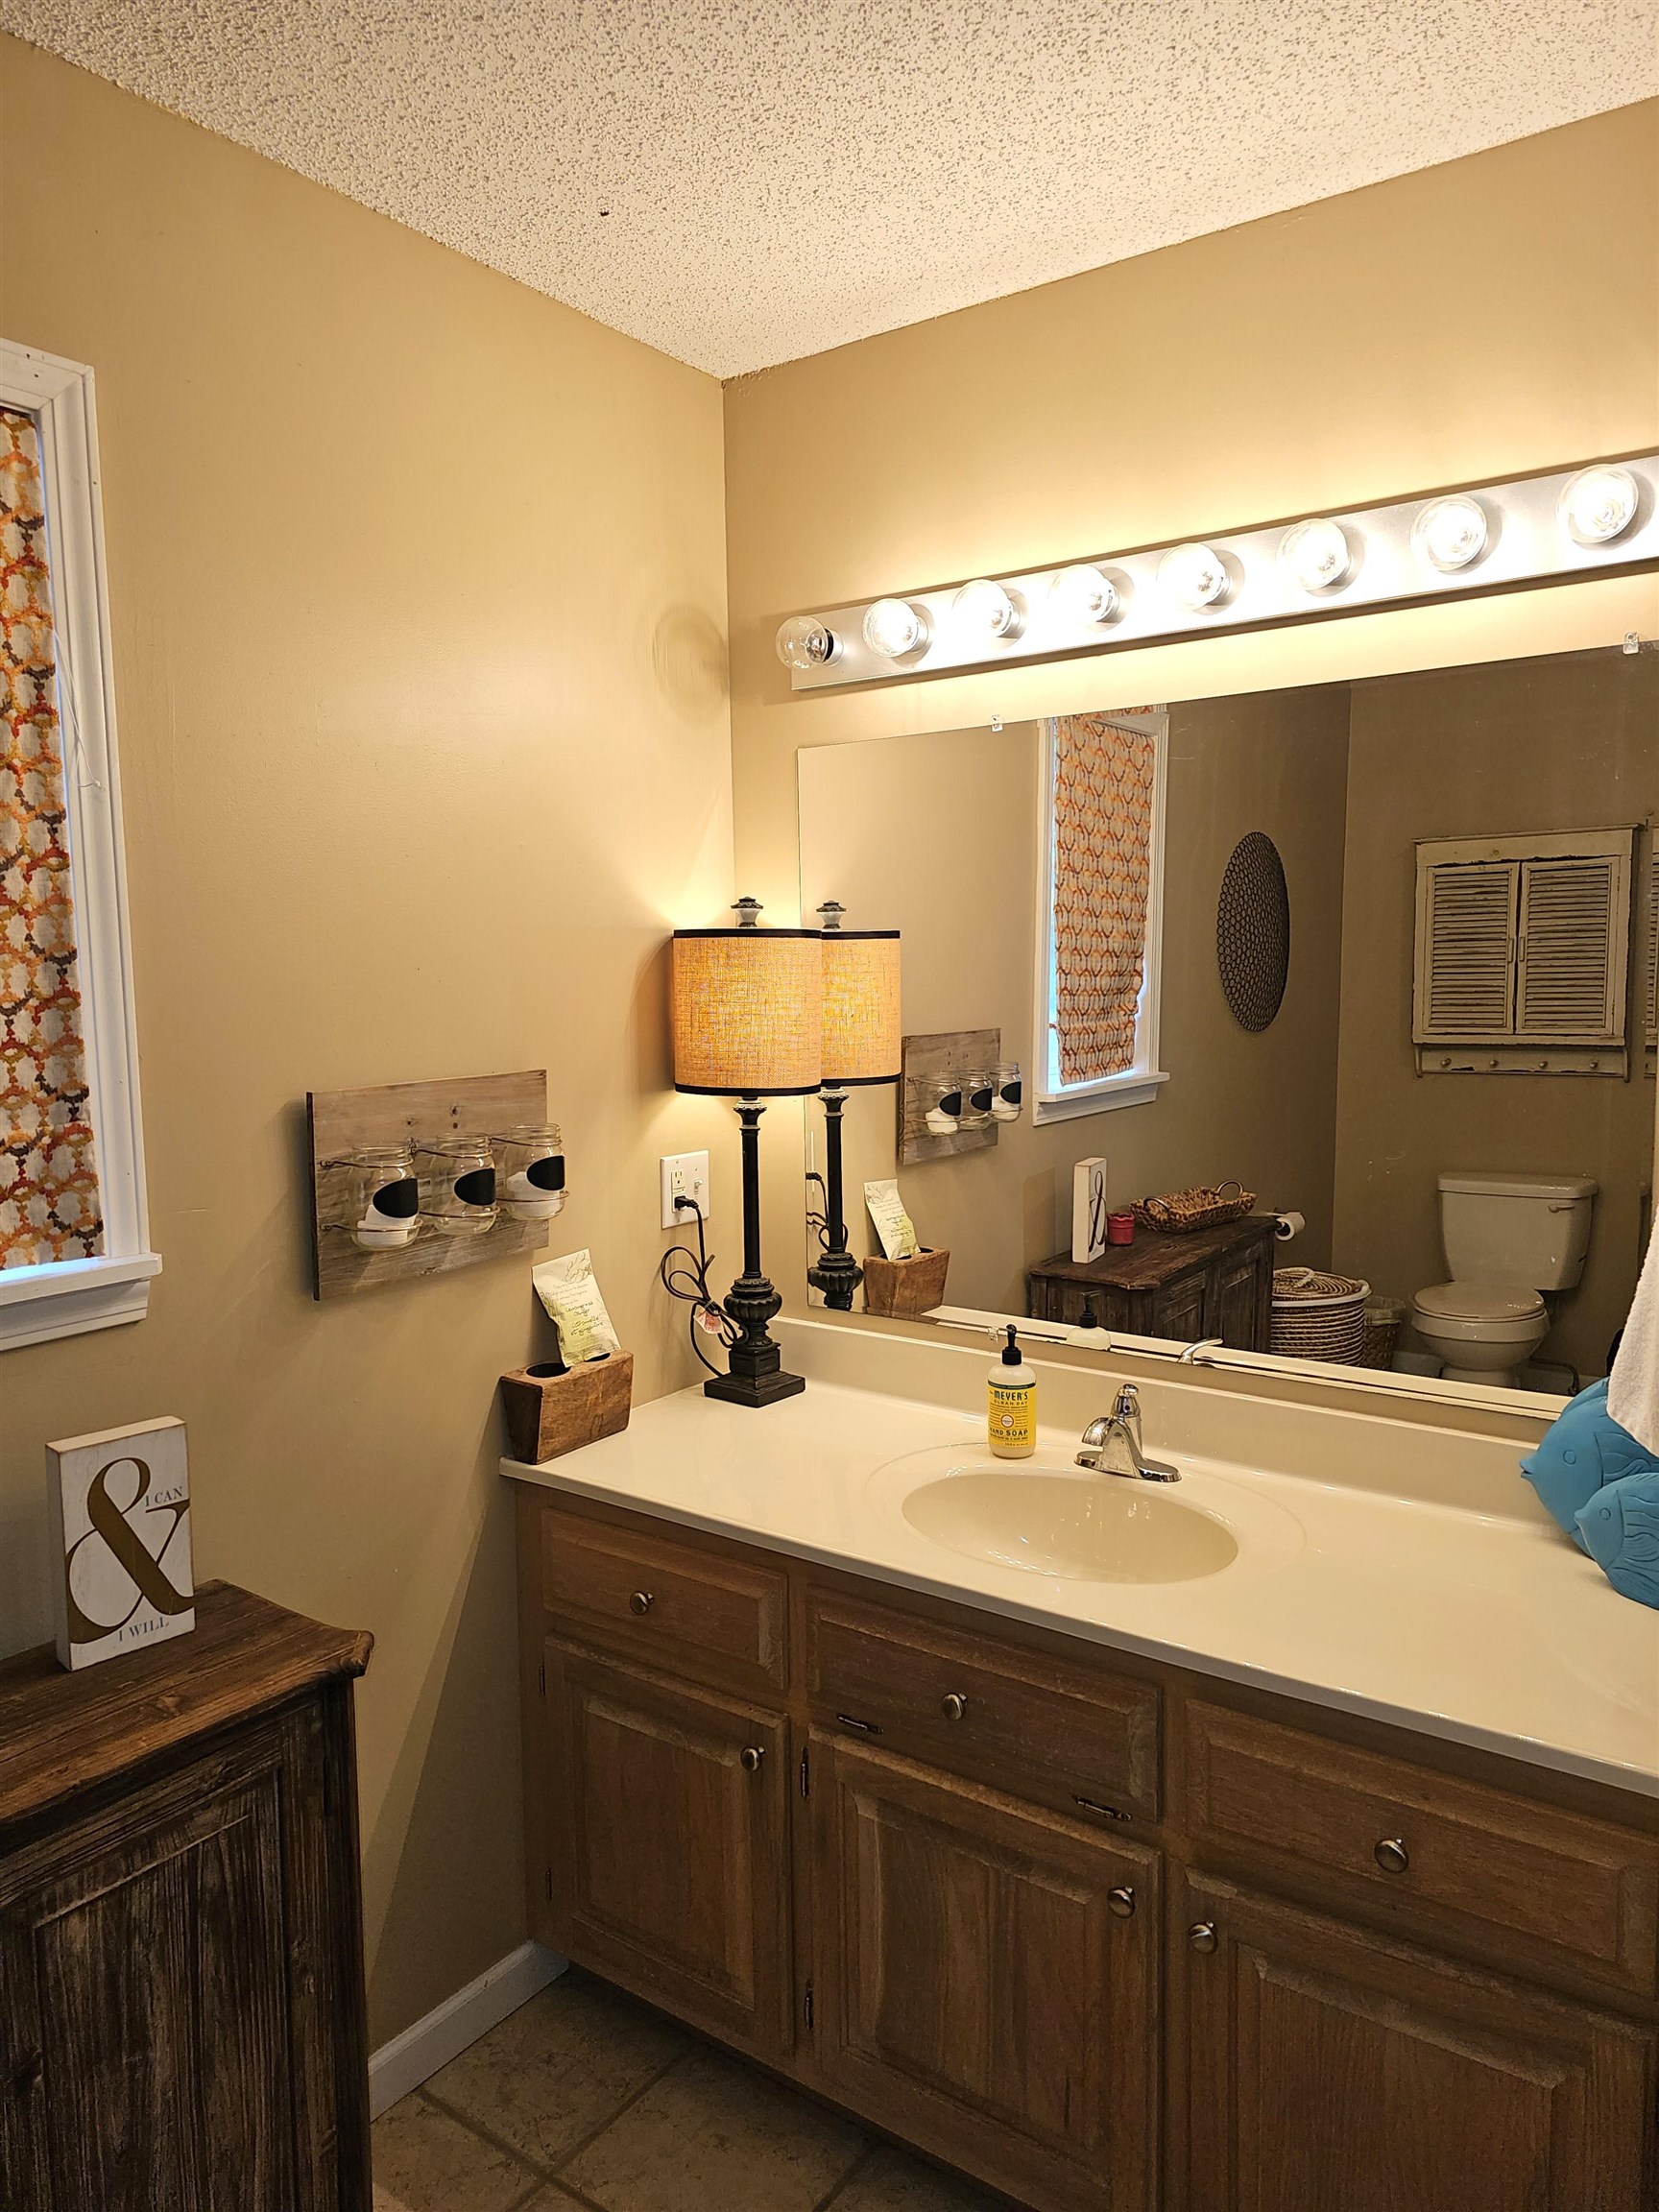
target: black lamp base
<point>837,1274</point>
<point>756,1374</point>
<point>755,1390</point>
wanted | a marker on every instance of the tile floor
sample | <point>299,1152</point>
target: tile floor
<point>585,2099</point>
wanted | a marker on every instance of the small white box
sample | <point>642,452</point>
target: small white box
<point>1088,1211</point>
<point>119,1504</point>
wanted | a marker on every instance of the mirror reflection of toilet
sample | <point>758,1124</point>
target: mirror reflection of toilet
<point>1508,1239</point>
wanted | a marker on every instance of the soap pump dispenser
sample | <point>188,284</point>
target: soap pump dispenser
<point>1011,1413</point>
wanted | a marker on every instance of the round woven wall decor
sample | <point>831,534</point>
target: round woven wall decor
<point>1253,931</point>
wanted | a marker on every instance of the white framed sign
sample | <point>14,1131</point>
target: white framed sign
<point>120,1512</point>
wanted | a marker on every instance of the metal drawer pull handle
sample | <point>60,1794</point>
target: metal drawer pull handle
<point>1202,1936</point>
<point>864,1727</point>
<point>1121,1901</point>
<point>1392,1856</point>
<point>639,1603</point>
<point>750,1758</point>
<point>953,1705</point>
<point>1106,1811</point>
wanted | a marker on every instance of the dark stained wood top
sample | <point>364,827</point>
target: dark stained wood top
<point>1155,1256</point>
<point>63,1734</point>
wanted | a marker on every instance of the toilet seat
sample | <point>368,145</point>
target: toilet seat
<point>1481,1312</point>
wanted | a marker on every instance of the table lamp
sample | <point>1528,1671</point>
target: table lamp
<point>748,1024</point>
<point>861,1044</point>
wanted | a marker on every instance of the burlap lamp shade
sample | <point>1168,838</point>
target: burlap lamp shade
<point>747,1012</point>
<point>861,1028</point>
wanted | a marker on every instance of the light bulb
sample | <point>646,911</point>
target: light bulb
<point>893,627</point>
<point>982,610</point>
<point>1599,505</point>
<point>1318,555</point>
<point>1084,594</point>
<point>1196,575</point>
<point>803,642</point>
<point>1451,533</point>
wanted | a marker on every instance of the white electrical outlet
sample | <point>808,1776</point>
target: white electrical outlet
<point>684,1175</point>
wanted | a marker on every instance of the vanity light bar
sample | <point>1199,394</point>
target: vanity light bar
<point>1574,522</point>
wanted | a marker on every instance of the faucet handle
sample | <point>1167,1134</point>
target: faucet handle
<point>1126,1409</point>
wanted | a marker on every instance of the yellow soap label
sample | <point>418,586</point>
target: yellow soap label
<point>1013,1428</point>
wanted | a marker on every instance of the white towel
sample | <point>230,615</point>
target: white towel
<point>1633,1387</point>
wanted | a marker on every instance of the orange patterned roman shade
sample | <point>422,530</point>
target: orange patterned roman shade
<point>49,1206</point>
<point>1104,778</point>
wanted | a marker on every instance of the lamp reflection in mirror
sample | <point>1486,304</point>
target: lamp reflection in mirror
<point>861,1046</point>
<point>748,1024</point>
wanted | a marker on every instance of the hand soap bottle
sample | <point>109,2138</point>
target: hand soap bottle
<point>1011,1413</point>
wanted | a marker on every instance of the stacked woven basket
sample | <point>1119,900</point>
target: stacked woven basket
<point>1317,1317</point>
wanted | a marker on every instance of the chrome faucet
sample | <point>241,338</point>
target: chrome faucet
<point>1112,1444</point>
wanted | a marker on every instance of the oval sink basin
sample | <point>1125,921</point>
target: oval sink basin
<point>1086,1529</point>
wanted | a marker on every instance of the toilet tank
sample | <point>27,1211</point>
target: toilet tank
<point>1529,1230</point>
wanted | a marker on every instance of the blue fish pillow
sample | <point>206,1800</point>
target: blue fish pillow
<point>1620,1529</point>
<point>1584,1451</point>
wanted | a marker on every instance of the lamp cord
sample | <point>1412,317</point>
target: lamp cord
<point>690,1284</point>
<point>818,1220</point>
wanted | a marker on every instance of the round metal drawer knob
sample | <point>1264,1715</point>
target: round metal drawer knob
<point>750,1758</point>
<point>952,1706</point>
<point>1392,1856</point>
<point>1202,1936</point>
<point>639,1603</point>
<point>1121,1901</point>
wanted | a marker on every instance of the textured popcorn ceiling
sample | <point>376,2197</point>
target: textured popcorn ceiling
<point>780,177</point>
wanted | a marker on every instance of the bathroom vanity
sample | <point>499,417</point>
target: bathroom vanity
<point>1095,1888</point>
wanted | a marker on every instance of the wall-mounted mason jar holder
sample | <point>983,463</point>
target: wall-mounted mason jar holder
<point>948,1093</point>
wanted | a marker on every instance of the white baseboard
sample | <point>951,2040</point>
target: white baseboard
<point>447,2030</point>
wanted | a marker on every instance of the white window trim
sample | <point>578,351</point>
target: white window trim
<point>1139,1084</point>
<point>64,1298</point>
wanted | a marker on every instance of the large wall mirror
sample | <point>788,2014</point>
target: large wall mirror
<point>1381,955</point>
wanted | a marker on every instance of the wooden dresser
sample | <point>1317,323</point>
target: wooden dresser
<point>1213,1282</point>
<point>183,2024</point>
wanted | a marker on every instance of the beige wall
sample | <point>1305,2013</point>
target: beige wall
<point>418,595</point>
<point>1556,743</point>
<point>1282,367</point>
<point>937,835</point>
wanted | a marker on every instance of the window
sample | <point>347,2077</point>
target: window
<point>74,1237</point>
<point>1523,950</point>
<point>1102,895</point>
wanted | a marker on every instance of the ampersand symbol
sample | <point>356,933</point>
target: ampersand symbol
<point>142,1568</point>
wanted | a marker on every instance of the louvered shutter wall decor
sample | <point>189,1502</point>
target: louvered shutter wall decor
<point>1565,957</point>
<point>1466,964</point>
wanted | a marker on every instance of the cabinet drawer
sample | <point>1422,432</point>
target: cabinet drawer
<point>1059,1731</point>
<point>721,1619</point>
<point>1459,1858</point>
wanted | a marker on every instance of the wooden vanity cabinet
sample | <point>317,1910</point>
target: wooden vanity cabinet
<point>1110,1936</point>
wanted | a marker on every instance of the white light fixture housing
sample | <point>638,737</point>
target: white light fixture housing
<point>1559,525</point>
<point>805,643</point>
<point>893,628</point>
<point>1599,505</point>
<point>1317,555</point>
<point>1196,577</point>
<point>1082,593</point>
<point>1452,534</point>
<point>986,610</point>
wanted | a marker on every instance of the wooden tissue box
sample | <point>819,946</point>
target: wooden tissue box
<point>905,1290</point>
<point>549,1414</point>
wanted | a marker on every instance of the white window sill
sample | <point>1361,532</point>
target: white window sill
<point>1136,1086</point>
<point>67,1297</point>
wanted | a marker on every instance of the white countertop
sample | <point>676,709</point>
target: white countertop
<point>1485,1626</point>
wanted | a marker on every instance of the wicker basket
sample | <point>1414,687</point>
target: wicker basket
<point>1207,1206</point>
<point>1383,1320</point>
<point>1318,1317</point>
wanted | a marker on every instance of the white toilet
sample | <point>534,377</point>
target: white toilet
<point>1508,1238</point>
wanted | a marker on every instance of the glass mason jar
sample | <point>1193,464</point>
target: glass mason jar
<point>458,1185</point>
<point>1009,1091</point>
<point>531,1163</point>
<point>385,1198</point>
<point>944,1117</point>
<point>979,1092</point>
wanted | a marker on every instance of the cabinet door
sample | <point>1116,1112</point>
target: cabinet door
<point>985,1979</point>
<point>1242,1299</point>
<point>163,1997</point>
<point>1181,1309</point>
<point>669,1867</point>
<point>1326,2067</point>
